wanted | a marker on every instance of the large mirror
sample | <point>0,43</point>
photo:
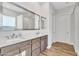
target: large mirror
<point>16,17</point>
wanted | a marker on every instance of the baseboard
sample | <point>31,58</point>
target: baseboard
<point>77,51</point>
<point>64,42</point>
<point>48,47</point>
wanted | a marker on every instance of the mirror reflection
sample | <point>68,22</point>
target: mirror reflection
<point>15,17</point>
<point>43,23</point>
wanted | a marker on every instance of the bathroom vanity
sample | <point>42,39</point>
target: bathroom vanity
<point>16,18</point>
<point>31,47</point>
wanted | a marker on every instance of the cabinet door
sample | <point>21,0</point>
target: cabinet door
<point>35,43</point>
<point>25,43</point>
<point>36,47</point>
<point>36,52</point>
<point>12,53</point>
<point>11,50</point>
<point>46,41</point>
<point>43,43</point>
<point>26,50</point>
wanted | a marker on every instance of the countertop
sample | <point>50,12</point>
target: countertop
<point>4,43</point>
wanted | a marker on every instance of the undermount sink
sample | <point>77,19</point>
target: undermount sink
<point>14,39</point>
<point>7,42</point>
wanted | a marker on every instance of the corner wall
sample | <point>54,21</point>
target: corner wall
<point>65,13</point>
<point>76,15</point>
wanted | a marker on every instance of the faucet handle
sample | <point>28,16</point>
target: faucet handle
<point>7,37</point>
<point>14,35</point>
<point>38,33</point>
<point>20,35</point>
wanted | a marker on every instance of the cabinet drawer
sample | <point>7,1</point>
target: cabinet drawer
<point>42,44</point>
<point>25,43</point>
<point>36,52</point>
<point>44,41</point>
<point>9,48</point>
<point>12,53</point>
<point>44,37</point>
<point>35,43</point>
<point>26,50</point>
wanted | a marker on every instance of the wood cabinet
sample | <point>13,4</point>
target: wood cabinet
<point>12,53</point>
<point>35,43</point>
<point>36,46</point>
<point>36,52</point>
<point>27,48</point>
<point>11,50</point>
<point>44,43</point>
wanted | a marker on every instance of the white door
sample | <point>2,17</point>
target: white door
<point>61,28</point>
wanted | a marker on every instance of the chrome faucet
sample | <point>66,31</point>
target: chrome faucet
<point>37,33</point>
<point>13,35</point>
<point>7,37</point>
<point>19,35</point>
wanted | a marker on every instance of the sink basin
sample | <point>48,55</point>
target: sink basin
<point>6,42</point>
<point>9,40</point>
<point>15,39</point>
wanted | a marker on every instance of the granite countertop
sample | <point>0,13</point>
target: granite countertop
<point>4,43</point>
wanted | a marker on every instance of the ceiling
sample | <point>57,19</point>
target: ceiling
<point>60,5</point>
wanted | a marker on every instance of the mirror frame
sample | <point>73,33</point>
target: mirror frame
<point>13,3</point>
<point>30,12</point>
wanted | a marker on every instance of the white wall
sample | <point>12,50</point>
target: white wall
<point>0,19</point>
<point>72,28</point>
<point>65,18</point>
<point>19,22</point>
<point>76,44</point>
<point>51,26</point>
<point>48,12</point>
<point>32,6</point>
